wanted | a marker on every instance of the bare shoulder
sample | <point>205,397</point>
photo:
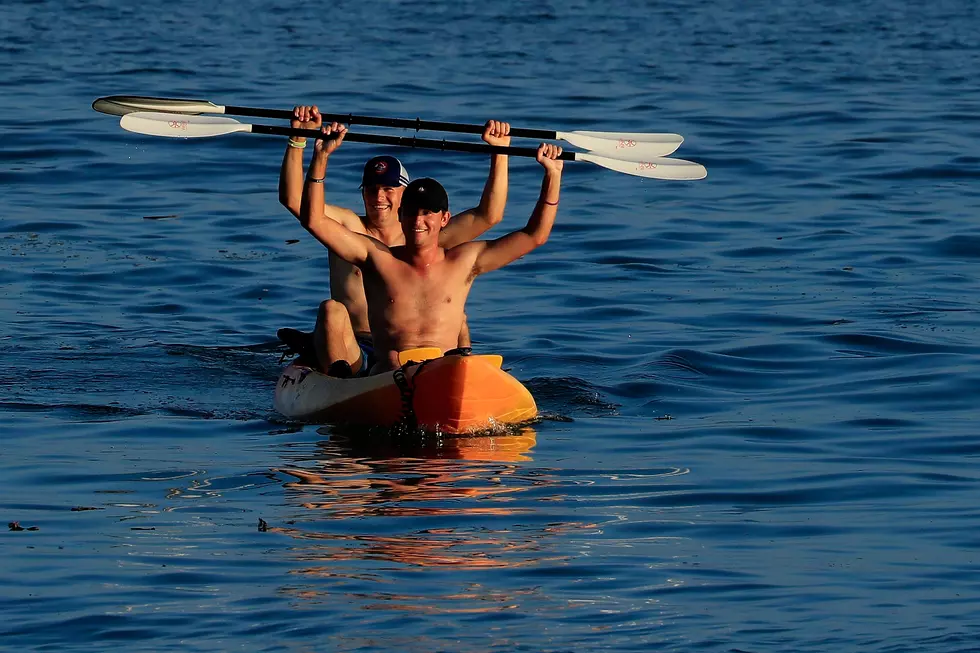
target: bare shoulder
<point>466,253</point>
<point>345,217</point>
<point>388,260</point>
<point>472,247</point>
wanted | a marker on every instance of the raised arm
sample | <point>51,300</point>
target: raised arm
<point>471,223</point>
<point>498,253</point>
<point>291,170</point>
<point>353,247</point>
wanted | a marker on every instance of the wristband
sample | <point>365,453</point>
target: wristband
<point>314,180</point>
<point>298,145</point>
<point>555,203</point>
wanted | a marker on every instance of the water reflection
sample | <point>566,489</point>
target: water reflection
<point>445,503</point>
<point>356,476</point>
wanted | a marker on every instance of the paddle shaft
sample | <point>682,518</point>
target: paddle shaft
<point>400,123</point>
<point>176,125</point>
<point>405,141</point>
<point>631,146</point>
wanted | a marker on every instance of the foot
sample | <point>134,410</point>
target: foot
<point>299,343</point>
<point>340,369</point>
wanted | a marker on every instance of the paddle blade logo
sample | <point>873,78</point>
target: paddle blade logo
<point>178,125</point>
<point>625,143</point>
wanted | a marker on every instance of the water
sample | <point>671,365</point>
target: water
<point>760,389</point>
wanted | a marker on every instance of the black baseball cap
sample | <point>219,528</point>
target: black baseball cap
<point>427,194</point>
<point>384,171</point>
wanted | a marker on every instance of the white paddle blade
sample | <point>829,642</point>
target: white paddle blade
<point>624,145</point>
<point>175,125</point>
<point>657,168</point>
<point>120,105</point>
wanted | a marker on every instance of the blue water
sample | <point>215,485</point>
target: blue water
<point>760,389</point>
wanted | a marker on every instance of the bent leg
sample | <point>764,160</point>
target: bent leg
<point>333,336</point>
<point>464,334</point>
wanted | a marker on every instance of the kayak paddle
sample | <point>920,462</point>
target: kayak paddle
<point>635,146</point>
<point>175,125</point>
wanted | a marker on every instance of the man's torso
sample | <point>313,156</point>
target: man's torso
<point>347,281</point>
<point>419,308</point>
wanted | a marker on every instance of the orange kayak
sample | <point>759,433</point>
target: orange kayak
<point>449,394</point>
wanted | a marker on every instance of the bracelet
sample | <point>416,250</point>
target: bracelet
<point>555,203</point>
<point>314,180</point>
<point>297,144</point>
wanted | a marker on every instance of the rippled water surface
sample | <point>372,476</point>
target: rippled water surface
<point>760,390</point>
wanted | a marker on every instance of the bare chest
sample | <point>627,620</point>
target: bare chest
<point>346,280</point>
<point>435,287</point>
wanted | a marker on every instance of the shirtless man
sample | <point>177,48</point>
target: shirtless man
<point>417,291</point>
<point>342,336</point>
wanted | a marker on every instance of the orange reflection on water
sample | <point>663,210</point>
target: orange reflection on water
<point>367,510</point>
<point>371,495</point>
<point>477,479</point>
<point>429,549</point>
<point>380,477</point>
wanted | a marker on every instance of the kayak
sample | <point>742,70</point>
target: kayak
<point>448,394</point>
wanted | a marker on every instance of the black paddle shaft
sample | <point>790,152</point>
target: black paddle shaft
<point>405,141</point>
<point>401,123</point>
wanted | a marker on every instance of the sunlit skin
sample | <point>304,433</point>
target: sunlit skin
<point>344,318</point>
<point>417,291</point>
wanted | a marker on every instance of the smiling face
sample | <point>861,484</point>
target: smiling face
<point>422,226</point>
<point>382,186</point>
<point>424,212</point>
<point>381,203</point>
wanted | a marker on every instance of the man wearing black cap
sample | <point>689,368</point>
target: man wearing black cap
<point>342,331</point>
<point>417,291</point>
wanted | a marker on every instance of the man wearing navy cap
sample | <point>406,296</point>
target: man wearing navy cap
<point>417,290</point>
<point>342,331</point>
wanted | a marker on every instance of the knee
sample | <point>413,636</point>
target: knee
<point>332,317</point>
<point>331,310</point>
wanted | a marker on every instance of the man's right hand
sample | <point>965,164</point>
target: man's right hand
<point>548,157</point>
<point>305,117</point>
<point>496,132</point>
<point>326,146</point>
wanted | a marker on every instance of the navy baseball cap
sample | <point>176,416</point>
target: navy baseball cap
<point>384,171</point>
<point>427,194</point>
